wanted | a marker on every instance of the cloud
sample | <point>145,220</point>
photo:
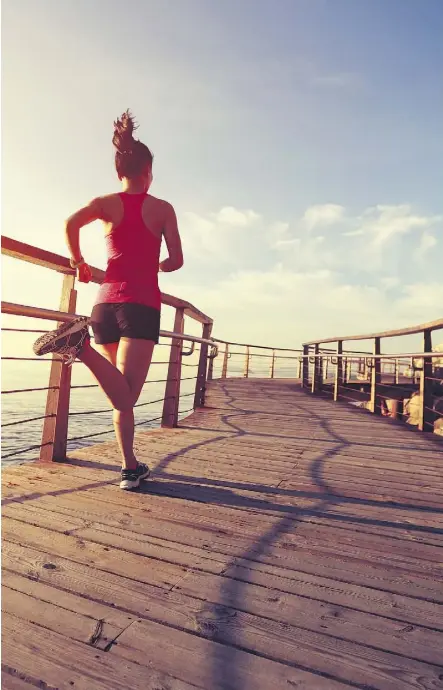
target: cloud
<point>283,307</point>
<point>384,222</point>
<point>224,235</point>
<point>326,272</point>
<point>322,214</point>
<point>427,242</point>
<point>231,216</point>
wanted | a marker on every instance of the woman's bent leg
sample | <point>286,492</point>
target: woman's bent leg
<point>110,379</point>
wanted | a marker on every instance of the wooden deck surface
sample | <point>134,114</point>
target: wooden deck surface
<point>283,542</point>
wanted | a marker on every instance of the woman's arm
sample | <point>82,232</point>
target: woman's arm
<point>173,243</point>
<point>87,214</point>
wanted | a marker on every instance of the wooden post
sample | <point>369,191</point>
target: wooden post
<point>396,371</point>
<point>211,369</point>
<point>300,369</point>
<point>338,371</point>
<point>348,369</point>
<point>305,367</point>
<point>375,401</point>
<point>316,378</point>
<point>426,414</point>
<point>344,367</point>
<point>325,376</point>
<point>172,390</point>
<point>225,362</point>
<point>200,385</point>
<point>397,409</point>
<point>246,369</point>
<point>272,364</point>
<point>55,428</point>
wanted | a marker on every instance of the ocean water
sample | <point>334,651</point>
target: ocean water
<point>90,413</point>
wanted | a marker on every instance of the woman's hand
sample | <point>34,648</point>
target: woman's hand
<point>84,273</point>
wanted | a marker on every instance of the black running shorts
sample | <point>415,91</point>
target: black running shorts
<point>110,322</point>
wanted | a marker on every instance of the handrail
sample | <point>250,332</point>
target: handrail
<point>56,262</point>
<point>313,355</point>
<point>370,367</point>
<point>53,315</point>
<point>258,347</point>
<point>411,330</point>
<point>404,355</point>
<point>54,435</point>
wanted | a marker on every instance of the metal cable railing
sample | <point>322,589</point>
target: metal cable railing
<point>194,349</point>
<point>417,404</point>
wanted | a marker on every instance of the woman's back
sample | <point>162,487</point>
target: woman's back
<point>134,226</point>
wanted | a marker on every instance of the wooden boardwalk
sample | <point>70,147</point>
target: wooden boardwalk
<point>279,545</point>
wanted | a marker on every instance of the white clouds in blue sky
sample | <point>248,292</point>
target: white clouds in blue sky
<point>301,143</point>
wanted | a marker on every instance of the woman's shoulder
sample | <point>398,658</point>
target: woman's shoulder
<point>108,205</point>
<point>161,206</point>
<point>161,203</point>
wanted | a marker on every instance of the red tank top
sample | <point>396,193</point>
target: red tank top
<point>133,259</point>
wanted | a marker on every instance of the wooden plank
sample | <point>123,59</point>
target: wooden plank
<point>209,664</point>
<point>424,505</point>
<point>303,534</point>
<point>208,619</point>
<point>73,625</point>
<point>160,573</point>
<point>404,488</point>
<point>47,659</point>
<point>244,499</point>
<point>249,497</point>
<point>191,545</point>
<point>13,682</point>
<point>36,592</point>
<point>186,512</point>
<point>320,617</point>
<point>36,255</point>
<point>189,309</point>
<point>419,523</point>
<point>211,554</point>
<point>292,508</point>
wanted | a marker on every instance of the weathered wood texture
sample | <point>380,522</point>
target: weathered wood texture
<point>284,541</point>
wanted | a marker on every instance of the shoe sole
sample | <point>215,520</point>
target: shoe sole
<point>127,485</point>
<point>45,343</point>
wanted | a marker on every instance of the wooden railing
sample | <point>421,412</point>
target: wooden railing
<point>55,425</point>
<point>320,369</point>
<point>276,355</point>
<point>377,392</point>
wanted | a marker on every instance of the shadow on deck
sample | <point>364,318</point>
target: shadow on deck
<point>282,542</point>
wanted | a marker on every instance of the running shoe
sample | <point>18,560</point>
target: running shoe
<point>67,340</point>
<point>131,478</point>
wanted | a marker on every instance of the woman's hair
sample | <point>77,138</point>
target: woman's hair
<point>132,157</point>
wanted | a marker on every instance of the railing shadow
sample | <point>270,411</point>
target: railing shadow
<point>225,673</point>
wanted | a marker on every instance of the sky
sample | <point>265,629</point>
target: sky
<point>300,141</point>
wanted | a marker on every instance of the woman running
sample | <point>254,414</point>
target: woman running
<point>126,317</point>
